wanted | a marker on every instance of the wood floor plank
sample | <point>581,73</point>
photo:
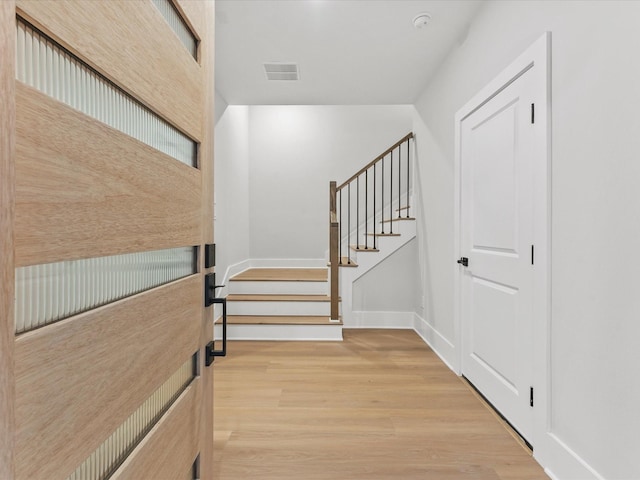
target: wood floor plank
<point>379,405</point>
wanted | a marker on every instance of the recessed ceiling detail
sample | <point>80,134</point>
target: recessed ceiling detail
<point>281,71</point>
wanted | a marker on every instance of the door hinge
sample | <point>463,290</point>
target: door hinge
<point>533,113</point>
<point>531,396</point>
<point>532,254</point>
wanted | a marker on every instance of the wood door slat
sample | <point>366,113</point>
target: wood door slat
<point>7,271</point>
<point>170,448</point>
<point>95,191</point>
<point>131,44</point>
<point>195,14</point>
<point>77,380</point>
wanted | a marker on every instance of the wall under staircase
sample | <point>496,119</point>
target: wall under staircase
<point>365,261</point>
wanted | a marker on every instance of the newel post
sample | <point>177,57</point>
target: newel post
<point>333,250</point>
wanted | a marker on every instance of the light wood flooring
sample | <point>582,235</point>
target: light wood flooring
<point>380,405</point>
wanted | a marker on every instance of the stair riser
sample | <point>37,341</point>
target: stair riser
<point>280,288</point>
<point>281,332</point>
<point>279,308</point>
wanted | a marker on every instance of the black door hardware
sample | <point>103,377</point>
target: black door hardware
<point>211,353</point>
<point>464,261</point>
<point>210,289</point>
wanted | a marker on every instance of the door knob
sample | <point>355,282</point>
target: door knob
<point>464,261</point>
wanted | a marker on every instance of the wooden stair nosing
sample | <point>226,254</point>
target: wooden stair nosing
<point>383,234</point>
<point>397,219</point>
<point>361,248</point>
<point>272,297</point>
<point>347,262</point>
<point>280,320</point>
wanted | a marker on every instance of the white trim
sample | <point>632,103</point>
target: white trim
<point>311,333</point>
<point>288,263</point>
<point>440,345</point>
<point>538,56</point>
<point>566,463</point>
<point>229,272</point>
<point>401,320</point>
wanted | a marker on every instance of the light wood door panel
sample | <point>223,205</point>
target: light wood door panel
<point>169,449</point>
<point>131,44</point>
<point>82,190</point>
<point>7,271</point>
<point>496,235</point>
<point>77,380</point>
<point>195,14</point>
<point>128,197</point>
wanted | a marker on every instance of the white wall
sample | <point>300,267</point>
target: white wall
<point>231,189</point>
<point>595,327</point>
<point>220,106</point>
<point>295,151</point>
<point>391,286</point>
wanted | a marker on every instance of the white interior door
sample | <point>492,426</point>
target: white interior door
<point>496,236</point>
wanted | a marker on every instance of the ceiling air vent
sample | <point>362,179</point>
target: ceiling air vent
<point>281,71</point>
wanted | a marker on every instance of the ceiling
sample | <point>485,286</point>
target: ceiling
<point>349,52</point>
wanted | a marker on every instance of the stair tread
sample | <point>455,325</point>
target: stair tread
<point>384,234</point>
<point>397,219</point>
<point>402,208</point>
<point>282,275</point>
<point>345,263</point>
<point>270,297</point>
<point>361,248</point>
<point>280,320</point>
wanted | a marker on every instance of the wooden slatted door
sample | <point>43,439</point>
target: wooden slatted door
<point>106,185</point>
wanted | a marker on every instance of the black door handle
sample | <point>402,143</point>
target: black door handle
<point>211,353</point>
<point>464,261</point>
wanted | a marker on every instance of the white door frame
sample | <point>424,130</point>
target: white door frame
<point>537,55</point>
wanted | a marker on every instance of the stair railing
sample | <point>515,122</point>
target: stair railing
<point>362,199</point>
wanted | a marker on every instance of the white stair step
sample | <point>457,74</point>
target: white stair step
<point>278,305</point>
<point>278,287</point>
<point>281,332</point>
<point>278,320</point>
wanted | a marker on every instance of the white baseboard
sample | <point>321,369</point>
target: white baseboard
<point>381,320</point>
<point>224,291</point>
<point>562,463</point>
<point>313,333</point>
<point>438,343</point>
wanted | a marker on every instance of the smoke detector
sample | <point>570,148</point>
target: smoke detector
<point>421,20</point>
<point>282,71</point>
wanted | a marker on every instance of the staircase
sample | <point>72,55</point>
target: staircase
<point>280,304</point>
<point>369,219</point>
